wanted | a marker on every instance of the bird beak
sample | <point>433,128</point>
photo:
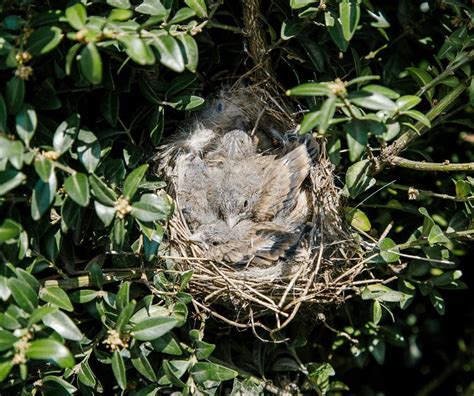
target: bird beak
<point>232,221</point>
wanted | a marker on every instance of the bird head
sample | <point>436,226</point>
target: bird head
<point>237,144</point>
<point>235,206</point>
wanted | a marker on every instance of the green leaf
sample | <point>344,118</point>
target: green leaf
<point>310,121</point>
<point>189,51</point>
<point>44,40</point>
<point>326,114</point>
<point>14,95</point>
<point>77,188</point>
<point>154,8</point>
<point>376,312</point>
<point>43,196</point>
<point>66,134</point>
<point>125,315</point>
<point>417,115</point>
<point>199,6</point>
<point>57,297</point>
<point>152,328</point>
<point>26,122</point>
<point>311,89</point>
<point>5,368</point>
<point>63,325</point>
<point>47,349</point>
<point>39,313</point>
<point>143,366</point>
<point>123,295</point>
<point>374,88</point>
<point>296,4</point>
<point>102,192</point>
<point>70,56</point>
<point>372,101</point>
<point>7,340</point>
<point>407,102</point>
<point>151,207</point>
<point>389,250</point>
<point>202,372</point>
<point>167,344</point>
<point>357,179</point>
<point>382,292</point>
<point>358,220</point>
<point>9,229</point>
<point>357,134</point>
<point>349,11</point>
<point>136,49</point>
<point>28,278</point>
<point>185,102</point>
<point>174,370</point>
<point>43,167</point>
<point>84,296</point>
<point>90,64</point>
<point>88,149</point>
<point>10,179</point>
<point>125,4</point>
<point>182,15</point>
<point>118,368</point>
<point>52,385</point>
<point>436,235</point>
<point>463,189</point>
<point>23,294</point>
<point>86,375</point>
<point>438,302</point>
<point>422,77</point>
<point>105,213</point>
<point>133,180</point>
<point>76,15</point>
<point>170,52</point>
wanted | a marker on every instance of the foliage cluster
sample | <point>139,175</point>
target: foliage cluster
<point>88,89</point>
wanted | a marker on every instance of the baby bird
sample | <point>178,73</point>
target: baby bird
<point>243,205</point>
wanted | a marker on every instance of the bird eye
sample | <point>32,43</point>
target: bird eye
<point>246,203</point>
<point>214,243</point>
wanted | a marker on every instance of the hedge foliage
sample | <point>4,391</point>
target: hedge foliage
<point>88,89</point>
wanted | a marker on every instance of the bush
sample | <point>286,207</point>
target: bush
<point>88,89</point>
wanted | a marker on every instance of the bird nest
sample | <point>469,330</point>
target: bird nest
<point>291,251</point>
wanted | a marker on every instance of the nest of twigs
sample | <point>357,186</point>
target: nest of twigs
<point>321,271</point>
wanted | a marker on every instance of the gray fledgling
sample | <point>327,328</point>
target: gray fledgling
<point>241,205</point>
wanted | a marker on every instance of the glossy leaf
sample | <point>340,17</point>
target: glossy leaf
<point>170,52</point>
<point>10,179</point>
<point>48,349</point>
<point>9,229</point>
<point>133,180</point>
<point>43,196</point>
<point>76,15</point>
<point>88,149</point>
<point>57,297</point>
<point>102,192</point>
<point>23,294</point>
<point>26,123</point>
<point>63,325</point>
<point>14,94</point>
<point>118,368</point>
<point>77,188</point>
<point>90,64</point>
<point>44,40</point>
<point>152,328</point>
<point>203,371</point>
<point>66,134</point>
<point>199,6</point>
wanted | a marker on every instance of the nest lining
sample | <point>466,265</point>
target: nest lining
<point>327,260</point>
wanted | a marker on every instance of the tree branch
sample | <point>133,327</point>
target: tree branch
<point>432,166</point>
<point>386,155</point>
